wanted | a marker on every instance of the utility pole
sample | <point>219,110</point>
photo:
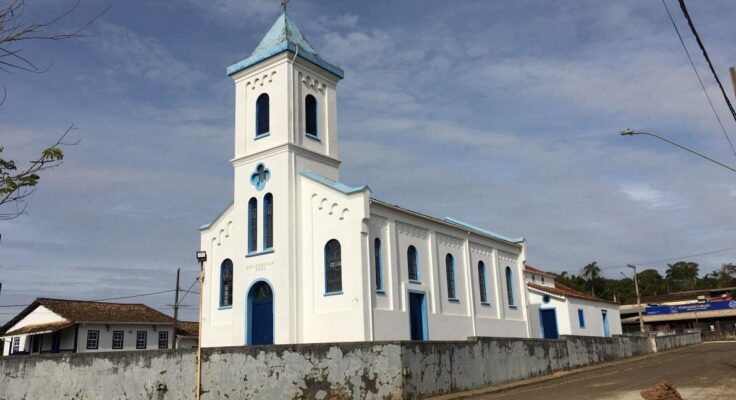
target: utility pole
<point>174,344</point>
<point>733,78</point>
<point>201,257</point>
<point>638,298</point>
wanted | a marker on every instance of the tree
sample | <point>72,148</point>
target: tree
<point>682,275</point>
<point>592,272</point>
<point>17,185</point>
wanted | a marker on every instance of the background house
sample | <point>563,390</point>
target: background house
<point>73,326</point>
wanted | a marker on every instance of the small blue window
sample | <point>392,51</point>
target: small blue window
<point>226,283</point>
<point>262,115</point>
<point>333,267</point>
<point>450,270</point>
<point>310,114</point>
<point>268,221</point>
<point>413,260</point>
<point>482,282</point>
<point>252,225</point>
<point>377,262</point>
<point>510,287</point>
<point>581,317</point>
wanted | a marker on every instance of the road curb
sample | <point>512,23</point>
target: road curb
<point>503,387</point>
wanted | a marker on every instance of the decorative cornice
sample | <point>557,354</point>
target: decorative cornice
<point>333,162</point>
<point>476,248</point>
<point>260,80</point>
<point>449,241</point>
<point>411,230</point>
<point>507,256</point>
<point>313,83</point>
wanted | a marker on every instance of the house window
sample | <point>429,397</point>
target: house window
<point>252,225</point>
<point>226,283</point>
<point>93,339</point>
<point>450,270</point>
<point>534,278</point>
<point>413,260</point>
<point>333,267</point>
<point>377,262</point>
<point>141,340</point>
<point>581,317</point>
<point>310,113</point>
<point>16,344</point>
<point>542,279</point>
<point>510,287</point>
<point>163,339</point>
<point>117,340</point>
<point>262,115</point>
<point>482,282</point>
<point>268,221</point>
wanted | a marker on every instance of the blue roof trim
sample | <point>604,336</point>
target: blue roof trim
<point>207,226</point>
<point>484,231</point>
<point>341,187</point>
<point>284,35</point>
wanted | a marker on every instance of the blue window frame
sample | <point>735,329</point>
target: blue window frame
<point>267,221</point>
<point>310,115</point>
<point>377,262</point>
<point>262,115</point>
<point>226,283</point>
<point>581,317</point>
<point>510,287</point>
<point>450,270</point>
<point>413,261</point>
<point>333,267</point>
<point>252,225</point>
<point>482,282</point>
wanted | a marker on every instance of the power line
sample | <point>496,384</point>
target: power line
<point>702,86</point>
<point>107,299</point>
<point>189,290</point>
<point>673,258</point>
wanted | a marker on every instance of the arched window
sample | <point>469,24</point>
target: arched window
<point>333,267</point>
<point>262,115</point>
<point>482,282</point>
<point>252,225</point>
<point>450,270</point>
<point>510,287</point>
<point>226,283</point>
<point>267,221</point>
<point>413,260</point>
<point>377,261</point>
<point>310,115</point>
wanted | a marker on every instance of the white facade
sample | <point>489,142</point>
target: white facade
<point>574,313</point>
<point>278,292</point>
<point>52,333</point>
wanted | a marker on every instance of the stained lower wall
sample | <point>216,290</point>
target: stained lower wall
<point>379,370</point>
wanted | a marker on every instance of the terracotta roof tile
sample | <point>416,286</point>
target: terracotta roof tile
<point>47,327</point>
<point>187,328</point>
<point>95,311</point>
<point>538,271</point>
<point>562,290</point>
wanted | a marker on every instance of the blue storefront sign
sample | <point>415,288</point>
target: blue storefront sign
<point>692,307</point>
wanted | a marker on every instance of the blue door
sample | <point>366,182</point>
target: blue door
<point>606,330</point>
<point>260,321</point>
<point>548,319</point>
<point>417,316</point>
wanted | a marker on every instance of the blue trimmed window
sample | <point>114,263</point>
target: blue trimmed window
<point>226,283</point>
<point>482,282</point>
<point>413,261</point>
<point>310,115</point>
<point>262,115</point>
<point>252,225</point>
<point>510,287</point>
<point>581,318</point>
<point>450,270</point>
<point>267,221</point>
<point>333,267</point>
<point>377,262</point>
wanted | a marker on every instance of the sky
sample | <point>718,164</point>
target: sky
<point>504,114</point>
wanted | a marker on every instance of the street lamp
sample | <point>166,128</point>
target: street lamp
<point>201,257</point>
<point>629,132</point>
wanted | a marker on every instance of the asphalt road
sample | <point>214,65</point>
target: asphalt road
<point>702,372</point>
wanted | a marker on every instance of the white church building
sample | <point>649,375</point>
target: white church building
<point>300,257</point>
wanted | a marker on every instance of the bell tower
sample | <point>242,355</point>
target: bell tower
<point>285,98</point>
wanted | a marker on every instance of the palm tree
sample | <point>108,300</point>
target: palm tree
<point>592,272</point>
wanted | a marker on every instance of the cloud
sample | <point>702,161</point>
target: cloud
<point>234,12</point>
<point>651,197</point>
<point>127,55</point>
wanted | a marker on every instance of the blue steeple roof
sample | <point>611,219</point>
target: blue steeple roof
<point>284,35</point>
